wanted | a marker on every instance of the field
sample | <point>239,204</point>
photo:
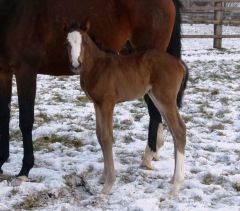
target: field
<point>68,158</point>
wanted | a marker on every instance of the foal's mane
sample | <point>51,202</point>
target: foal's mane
<point>100,46</point>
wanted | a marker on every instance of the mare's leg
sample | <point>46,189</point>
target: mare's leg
<point>155,134</point>
<point>105,134</point>
<point>26,86</point>
<point>178,130</point>
<point>5,100</point>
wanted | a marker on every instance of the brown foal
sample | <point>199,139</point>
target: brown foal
<point>108,79</point>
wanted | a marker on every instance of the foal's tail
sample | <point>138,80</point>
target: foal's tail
<point>183,86</point>
<point>174,47</point>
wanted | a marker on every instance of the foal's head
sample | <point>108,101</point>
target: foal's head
<point>74,41</point>
<point>80,45</point>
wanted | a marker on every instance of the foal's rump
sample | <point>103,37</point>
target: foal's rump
<point>136,74</point>
<point>166,72</point>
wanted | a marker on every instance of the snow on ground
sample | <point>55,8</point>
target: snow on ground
<point>69,160</point>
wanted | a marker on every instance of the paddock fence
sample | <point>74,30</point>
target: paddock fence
<point>216,12</point>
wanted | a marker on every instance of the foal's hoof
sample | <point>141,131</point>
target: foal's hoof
<point>95,200</point>
<point>17,181</point>
<point>106,189</point>
<point>155,156</point>
<point>175,189</point>
<point>172,194</point>
<point>147,164</point>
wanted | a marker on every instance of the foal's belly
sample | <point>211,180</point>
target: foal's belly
<point>133,93</point>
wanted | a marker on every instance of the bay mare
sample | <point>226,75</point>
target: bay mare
<point>33,38</point>
<point>108,79</point>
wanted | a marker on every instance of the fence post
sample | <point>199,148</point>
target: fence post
<point>218,16</point>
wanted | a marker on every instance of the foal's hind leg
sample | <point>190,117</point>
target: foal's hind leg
<point>155,134</point>
<point>26,86</point>
<point>5,100</point>
<point>105,136</point>
<point>178,130</point>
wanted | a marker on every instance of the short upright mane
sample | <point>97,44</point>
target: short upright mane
<point>101,46</point>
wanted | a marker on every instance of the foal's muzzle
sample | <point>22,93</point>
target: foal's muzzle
<point>76,70</point>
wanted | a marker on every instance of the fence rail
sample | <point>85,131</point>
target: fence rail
<point>215,12</point>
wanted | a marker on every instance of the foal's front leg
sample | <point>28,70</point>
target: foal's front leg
<point>5,100</point>
<point>98,133</point>
<point>104,114</point>
<point>26,86</point>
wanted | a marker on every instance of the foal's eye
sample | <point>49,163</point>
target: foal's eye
<point>66,43</point>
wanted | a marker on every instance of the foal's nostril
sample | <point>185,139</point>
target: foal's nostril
<point>75,70</point>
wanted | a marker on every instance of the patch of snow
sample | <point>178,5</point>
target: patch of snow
<point>69,160</point>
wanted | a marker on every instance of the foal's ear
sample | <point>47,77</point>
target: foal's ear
<point>85,27</point>
<point>88,25</point>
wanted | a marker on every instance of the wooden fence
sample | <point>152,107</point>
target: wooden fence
<point>216,12</point>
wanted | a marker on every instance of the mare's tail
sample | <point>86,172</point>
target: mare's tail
<point>174,47</point>
<point>183,86</point>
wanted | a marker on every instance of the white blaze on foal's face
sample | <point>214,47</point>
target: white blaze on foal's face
<point>75,40</point>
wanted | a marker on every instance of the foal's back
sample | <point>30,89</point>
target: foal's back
<point>130,77</point>
<point>123,78</point>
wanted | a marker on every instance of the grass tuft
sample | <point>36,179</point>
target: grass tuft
<point>208,179</point>
<point>44,143</point>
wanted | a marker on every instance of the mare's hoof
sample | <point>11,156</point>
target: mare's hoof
<point>17,181</point>
<point>6,177</point>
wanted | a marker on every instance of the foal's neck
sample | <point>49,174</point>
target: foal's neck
<point>91,54</point>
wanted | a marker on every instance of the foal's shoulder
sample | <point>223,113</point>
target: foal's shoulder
<point>150,55</point>
<point>158,55</point>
